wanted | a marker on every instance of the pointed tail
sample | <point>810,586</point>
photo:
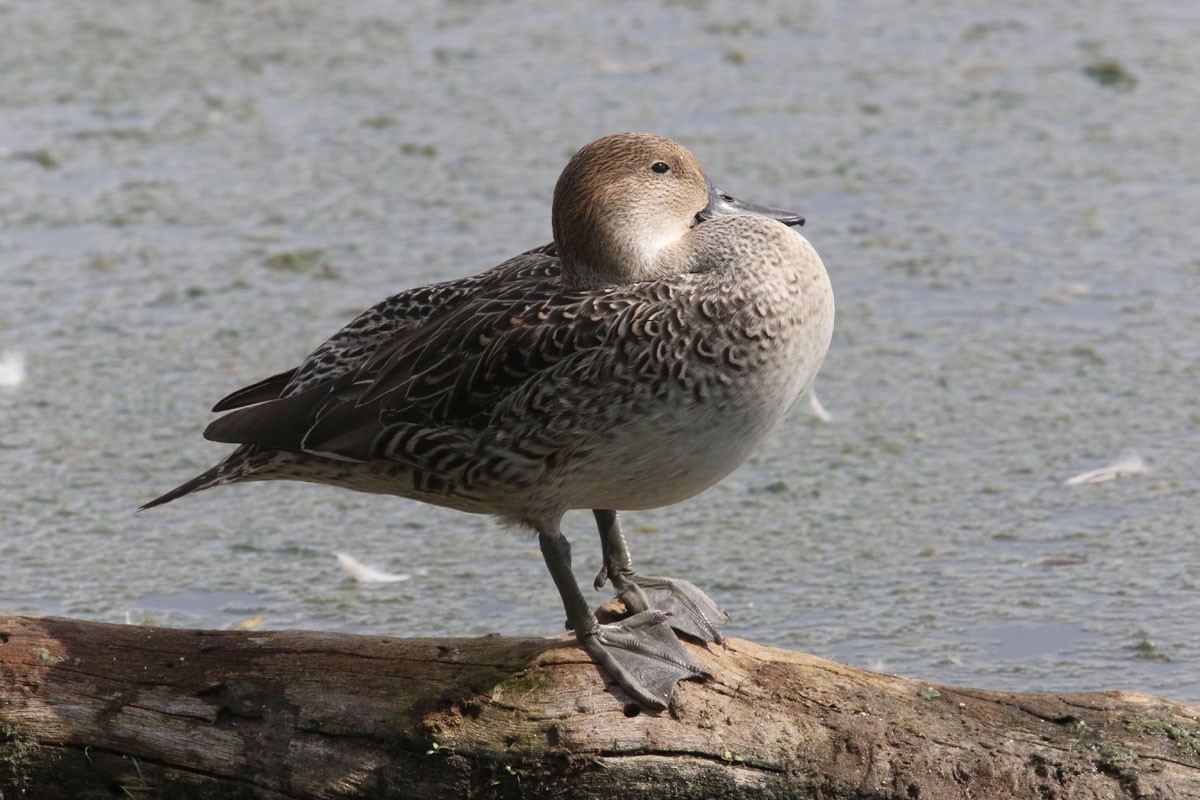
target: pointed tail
<point>203,481</point>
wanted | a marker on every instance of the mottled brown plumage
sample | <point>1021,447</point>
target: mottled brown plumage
<point>631,364</point>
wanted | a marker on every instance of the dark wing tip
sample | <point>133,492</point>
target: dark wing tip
<point>267,389</point>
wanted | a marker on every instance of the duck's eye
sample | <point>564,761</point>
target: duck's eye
<point>660,167</point>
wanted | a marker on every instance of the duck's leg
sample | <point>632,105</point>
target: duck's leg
<point>692,611</point>
<point>640,652</point>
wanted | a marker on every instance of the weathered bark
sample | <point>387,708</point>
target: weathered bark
<point>91,710</point>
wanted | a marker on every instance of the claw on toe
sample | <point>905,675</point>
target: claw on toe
<point>601,578</point>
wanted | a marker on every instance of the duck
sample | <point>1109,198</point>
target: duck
<point>631,363</point>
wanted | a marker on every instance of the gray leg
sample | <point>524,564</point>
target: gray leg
<point>640,652</point>
<point>692,611</point>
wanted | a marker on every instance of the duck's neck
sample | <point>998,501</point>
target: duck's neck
<point>620,253</point>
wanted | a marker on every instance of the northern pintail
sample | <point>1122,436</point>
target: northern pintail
<point>630,364</point>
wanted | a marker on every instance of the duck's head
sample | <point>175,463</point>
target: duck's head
<point>625,204</point>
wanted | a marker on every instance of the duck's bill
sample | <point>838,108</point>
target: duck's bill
<point>721,204</point>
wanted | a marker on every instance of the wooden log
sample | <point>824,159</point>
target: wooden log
<point>90,710</point>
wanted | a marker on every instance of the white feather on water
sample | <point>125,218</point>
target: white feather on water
<point>358,571</point>
<point>814,406</point>
<point>12,369</point>
<point>1131,464</point>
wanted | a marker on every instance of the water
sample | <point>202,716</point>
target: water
<point>196,194</point>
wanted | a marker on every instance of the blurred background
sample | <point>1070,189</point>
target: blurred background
<point>193,195</point>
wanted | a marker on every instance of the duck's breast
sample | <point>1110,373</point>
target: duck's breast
<point>699,376</point>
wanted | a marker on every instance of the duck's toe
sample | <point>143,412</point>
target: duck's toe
<point>690,610</point>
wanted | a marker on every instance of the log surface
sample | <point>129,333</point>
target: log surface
<point>91,710</point>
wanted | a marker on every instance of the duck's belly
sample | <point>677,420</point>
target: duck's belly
<point>670,454</point>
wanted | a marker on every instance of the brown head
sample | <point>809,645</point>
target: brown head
<point>625,204</point>
<point>619,205</point>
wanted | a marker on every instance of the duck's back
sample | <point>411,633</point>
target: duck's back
<point>348,349</point>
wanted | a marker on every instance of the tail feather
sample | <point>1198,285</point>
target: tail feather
<point>206,479</point>
<point>239,466</point>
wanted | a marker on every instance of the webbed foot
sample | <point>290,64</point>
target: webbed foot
<point>643,656</point>
<point>691,610</point>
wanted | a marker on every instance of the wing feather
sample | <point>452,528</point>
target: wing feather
<point>453,371</point>
<point>270,388</point>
